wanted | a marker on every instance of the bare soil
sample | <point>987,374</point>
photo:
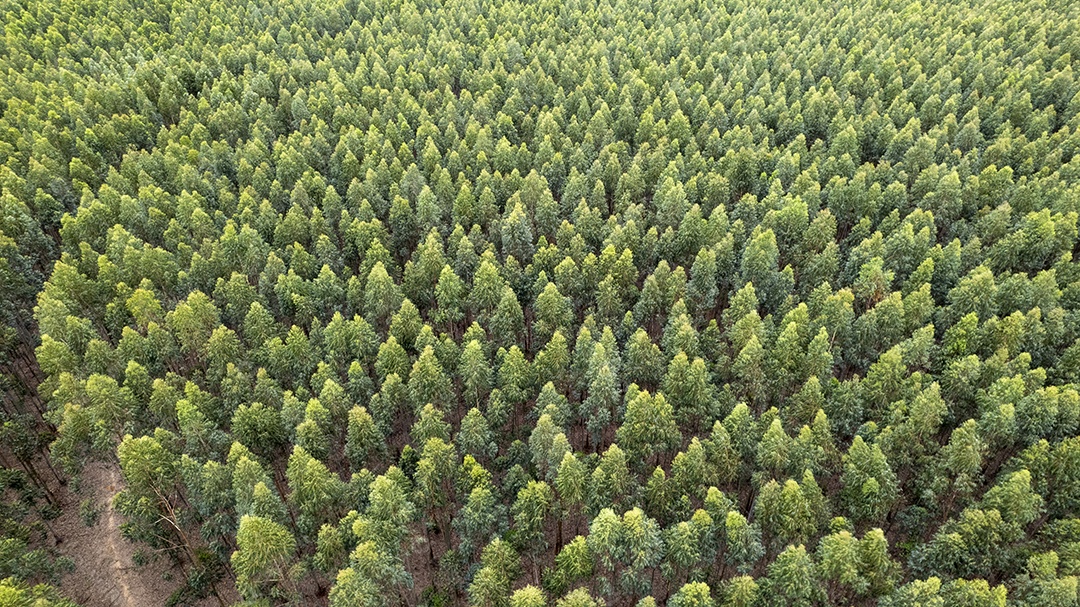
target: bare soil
<point>105,574</point>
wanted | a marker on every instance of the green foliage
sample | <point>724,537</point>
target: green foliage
<point>622,300</point>
<point>261,561</point>
<point>20,595</point>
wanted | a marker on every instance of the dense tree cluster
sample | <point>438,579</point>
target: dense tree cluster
<point>506,304</point>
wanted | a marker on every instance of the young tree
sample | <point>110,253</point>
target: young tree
<point>427,382</point>
<point>870,487</point>
<point>553,363</point>
<point>611,482</point>
<point>792,580</point>
<point>263,560</point>
<point>553,313</point>
<point>741,591</point>
<point>499,567</point>
<point>571,482</point>
<point>600,405</point>
<point>517,234</point>
<point>573,564</point>
<point>691,392</point>
<point>316,492</point>
<point>151,500</point>
<point>785,513</point>
<point>643,548</point>
<point>643,360</point>
<point>548,445</point>
<point>692,594</point>
<point>531,509</point>
<point>475,435</point>
<point>363,438</point>
<point>529,596</point>
<point>508,322</point>
<point>450,294</point>
<point>431,423</point>
<point>434,480</point>
<point>481,517</point>
<point>579,597</point>
<point>382,296</point>
<point>649,428</point>
<point>743,542</point>
<point>855,569</point>
<point>475,373</point>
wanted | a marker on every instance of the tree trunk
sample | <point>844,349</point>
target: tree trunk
<point>558,535</point>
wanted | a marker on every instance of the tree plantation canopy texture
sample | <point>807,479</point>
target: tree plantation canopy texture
<point>622,303</point>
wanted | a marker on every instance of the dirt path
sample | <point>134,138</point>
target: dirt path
<point>105,574</point>
<point>112,537</point>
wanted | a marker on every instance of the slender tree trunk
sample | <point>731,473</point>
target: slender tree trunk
<point>558,535</point>
<point>48,464</point>
<point>431,547</point>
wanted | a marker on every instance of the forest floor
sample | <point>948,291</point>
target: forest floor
<point>105,573</point>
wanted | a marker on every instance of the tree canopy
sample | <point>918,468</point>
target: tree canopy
<point>581,303</point>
